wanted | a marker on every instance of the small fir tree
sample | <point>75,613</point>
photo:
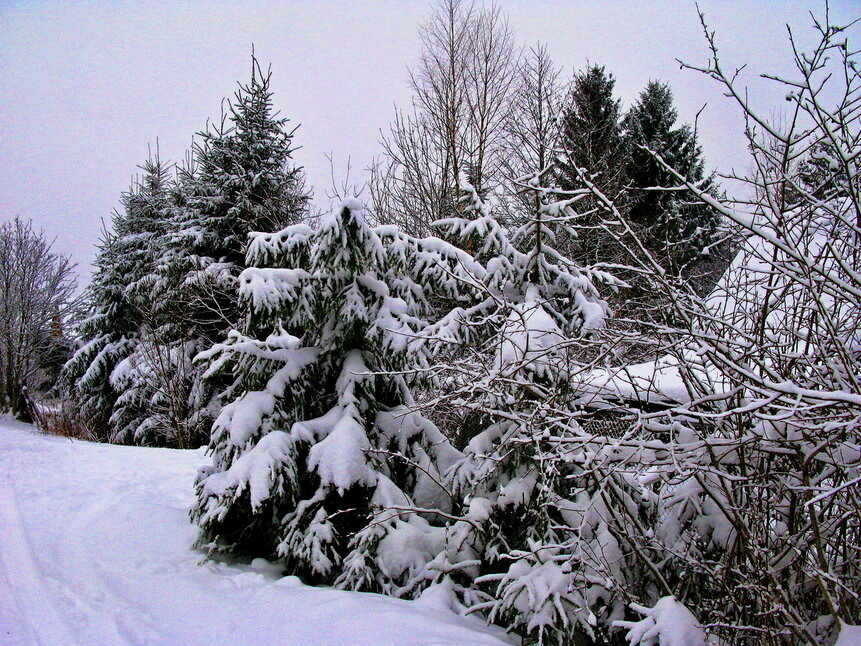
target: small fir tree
<point>317,460</point>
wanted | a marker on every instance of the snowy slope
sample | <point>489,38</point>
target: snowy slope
<point>94,549</point>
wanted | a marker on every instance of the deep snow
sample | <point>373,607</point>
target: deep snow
<point>95,549</point>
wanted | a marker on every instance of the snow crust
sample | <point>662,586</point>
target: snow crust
<point>91,555</point>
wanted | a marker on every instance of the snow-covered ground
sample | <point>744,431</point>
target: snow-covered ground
<point>95,550</point>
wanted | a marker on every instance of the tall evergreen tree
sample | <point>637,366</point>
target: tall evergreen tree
<point>592,139</point>
<point>677,226</point>
<point>242,180</point>
<point>119,296</point>
<point>139,245</point>
<point>591,131</point>
<point>167,275</point>
<point>317,460</point>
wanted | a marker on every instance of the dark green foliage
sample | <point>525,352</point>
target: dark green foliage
<point>592,140</point>
<point>592,134</point>
<point>677,227</point>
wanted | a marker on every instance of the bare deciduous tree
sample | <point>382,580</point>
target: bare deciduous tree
<point>760,508</point>
<point>462,88</point>
<point>37,286</point>
<point>531,126</point>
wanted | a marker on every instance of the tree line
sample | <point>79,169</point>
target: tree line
<point>165,281</point>
<point>486,108</point>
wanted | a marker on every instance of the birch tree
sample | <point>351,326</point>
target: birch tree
<point>462,88</point>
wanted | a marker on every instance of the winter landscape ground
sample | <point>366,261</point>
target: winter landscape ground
<point>91,556</point>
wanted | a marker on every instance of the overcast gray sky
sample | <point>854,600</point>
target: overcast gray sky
<point>86,86</point>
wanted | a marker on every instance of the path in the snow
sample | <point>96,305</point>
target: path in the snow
<point>95,550</point>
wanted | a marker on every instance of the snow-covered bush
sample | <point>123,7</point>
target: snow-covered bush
<point>535,550</point>
<point>317,459</point>
<point>755,474</point>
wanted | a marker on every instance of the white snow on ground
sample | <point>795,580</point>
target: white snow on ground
<point>652,381</point>
<point>95,549</point>
<point>849,636</point>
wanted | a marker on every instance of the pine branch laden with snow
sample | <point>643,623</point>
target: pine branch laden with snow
<point>539,274</point>
<point>316,459</point>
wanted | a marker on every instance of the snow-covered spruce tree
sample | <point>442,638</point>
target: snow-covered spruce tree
<point>317,460</point>
<point>241,179</point>
<point>534,550</point>
<point>106,334</point>
<point>139,248</point>
<point>119,295</point>
<point>677,226</point>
